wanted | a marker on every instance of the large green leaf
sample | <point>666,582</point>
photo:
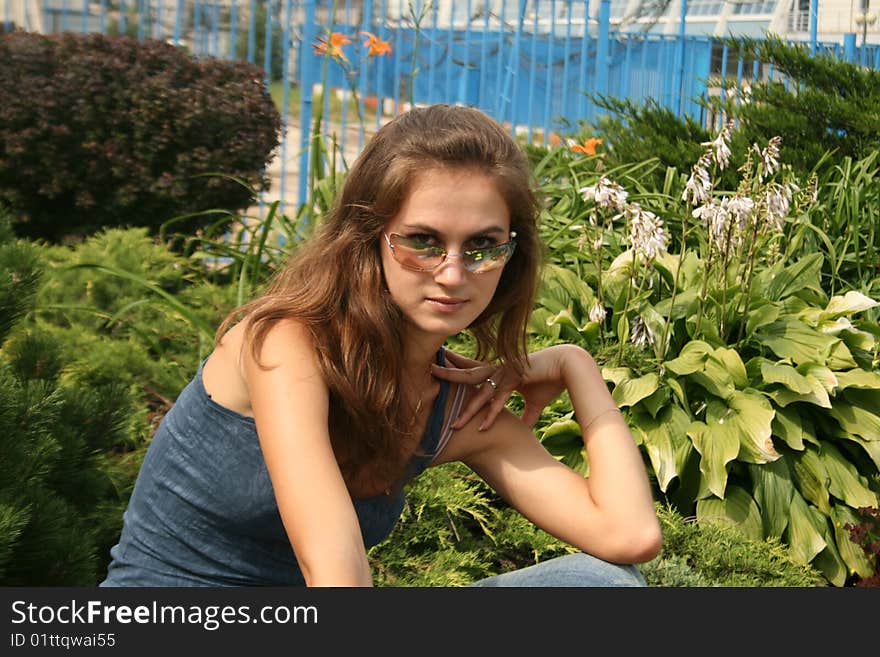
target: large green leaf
<point>666,442</point>
<point>818,395</point>
<point>804,540</point>
<point>851,553</point>
<point>563,440</point>
<point>845,483</point>
<point>848,304</point>
<point>616,375</point>
<point>539,324</point>
<point>840,357</point>
<point>717,449</point>
<point>858,378</point>
<point>690,359</point>
<point>686,302</point>
<point>788,425</point>
<point>761,316</point>
<point>657,401</point>
<point>737,509</point>
<point>871,447</point>
<point>632,391</point>
<point>747,418</point>
<point>855,419</point>
<point>577,289</point>
<point>786,281</point>
<point>773,489</point>
<point>731,361</point>
<point>824,375</point>
<point>811,478</point>
<point>785,375</point>
<point>828,561</point>
<point>793,339</point>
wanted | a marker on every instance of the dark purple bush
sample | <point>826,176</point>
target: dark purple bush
<point>102,131</point>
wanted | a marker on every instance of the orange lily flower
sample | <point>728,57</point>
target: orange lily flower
<point>588,147</point>
<point>375,45</point>
<point>332,46</point>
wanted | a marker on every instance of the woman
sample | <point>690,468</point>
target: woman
<point>330,391</point>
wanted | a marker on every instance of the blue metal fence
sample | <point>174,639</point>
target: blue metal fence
<point>528,63</point>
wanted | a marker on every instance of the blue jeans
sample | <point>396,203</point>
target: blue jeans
<point>577,569</point>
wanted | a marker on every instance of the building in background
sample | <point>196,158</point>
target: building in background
<point>787,18</point>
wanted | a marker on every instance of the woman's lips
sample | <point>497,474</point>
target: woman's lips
<point>446,304</point>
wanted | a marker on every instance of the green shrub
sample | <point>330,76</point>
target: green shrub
<point>705,554</point>
<point>825,105</point>
<point>66,469</point>
<point>109,131</point>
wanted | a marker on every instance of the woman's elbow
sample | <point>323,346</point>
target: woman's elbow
<point>635,544</point>
<point>649,544</point>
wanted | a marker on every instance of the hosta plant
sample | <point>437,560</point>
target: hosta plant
<point>754,394</point>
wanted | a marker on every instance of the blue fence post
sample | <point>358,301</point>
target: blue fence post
<point>267,46</point>
<point>367,26</point>
<point>814,25</point>
<point>285,100</point>
<point>603,47</point>
<point>582,78</point>
<point>306,83</point>
<point>510,79</point>
<point>849,47</point>
<point>678,74</point>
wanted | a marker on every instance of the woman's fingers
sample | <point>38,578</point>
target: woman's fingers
<point>473,375</point>
<point>462,362</point>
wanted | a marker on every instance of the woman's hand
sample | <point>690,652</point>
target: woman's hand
<point>541,383</point>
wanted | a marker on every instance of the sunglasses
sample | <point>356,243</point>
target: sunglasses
<point>418,256</point>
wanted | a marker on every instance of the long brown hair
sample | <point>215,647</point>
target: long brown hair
<point>334,284</point>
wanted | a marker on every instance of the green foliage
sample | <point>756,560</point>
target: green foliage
<point>866,534</point>
<point>816,103</point>
<point>18,266</point>
<point>127,309</point>
<point>750,390</point>
<point>633,132</point>
<point>61,496</point>
<point>454,531</point>
<point>110,131</point>
<point>699,553</point>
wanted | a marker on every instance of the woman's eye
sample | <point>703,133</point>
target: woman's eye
<point>482,243</point>
<point>422,240</point>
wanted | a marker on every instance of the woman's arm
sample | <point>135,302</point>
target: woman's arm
<point>290,402</point>
<point>611,513</point>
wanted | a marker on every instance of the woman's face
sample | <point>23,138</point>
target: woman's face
<point>457,210</point>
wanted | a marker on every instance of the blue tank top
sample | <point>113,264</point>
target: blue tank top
<point>203,511</point>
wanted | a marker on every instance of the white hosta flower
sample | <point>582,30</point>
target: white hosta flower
<point>606,194</point>
<point>714,217</point>
<point>777,200</point>
<point>740,209</point>
<point>718,147</point>
<point>769,157</point>
<point>640,333</point>
<point>597,313</point>
<point>697,187</point>
<point>646,233</point>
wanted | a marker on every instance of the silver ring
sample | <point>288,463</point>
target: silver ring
<point>493,384</point>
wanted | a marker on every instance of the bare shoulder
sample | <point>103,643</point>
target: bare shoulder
<point>231,370</point>
<point>287,354</point>
<point>222,375</point>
